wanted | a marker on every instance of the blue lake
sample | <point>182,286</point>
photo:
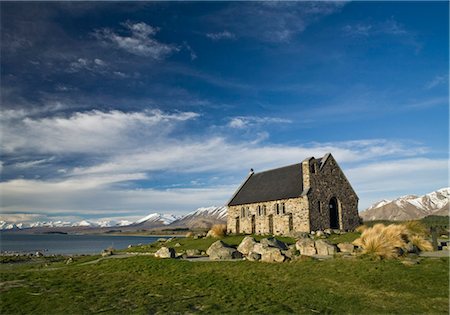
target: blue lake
<point>67,244</point>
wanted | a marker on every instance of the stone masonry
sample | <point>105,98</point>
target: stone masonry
<point>323,199</point>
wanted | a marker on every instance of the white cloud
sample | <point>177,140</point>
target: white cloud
<point>87,132</point>
<point>140,42</point>
<point>240,122</point>
<point>221,35</point>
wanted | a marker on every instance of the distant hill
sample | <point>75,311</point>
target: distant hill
<point>410,207</point>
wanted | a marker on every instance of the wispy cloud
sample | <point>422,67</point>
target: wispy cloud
<point>436,81</point>
<point>241,122</point>
<point>139,42</point>
<point>94,65</point>
<point>388,27</point>
<point>221,35</point>
<point>272,21</point>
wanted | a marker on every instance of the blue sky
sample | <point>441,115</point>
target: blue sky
<point>117,110</point>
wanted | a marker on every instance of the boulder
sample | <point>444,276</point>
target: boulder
<point>273,242</point>
<point>328,231</point>
<point>165,252</point>
<point>247,244</point>
<point>259,248</point>
<point>291,253</point>
<point>306,247</point>
<point>324,249</point>
<point>107,252</point>
<point>193,252</point>
<point>320,233</point>
<point>69,260</point>
<point>38,254</point>
<point>220,251</point>
<point>346,247</point>
<point>272,254</point>
<point>252,256</point>
<point>162,240</point>
<point>177,245</point>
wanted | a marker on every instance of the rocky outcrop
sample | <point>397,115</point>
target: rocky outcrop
<point>272,254</point>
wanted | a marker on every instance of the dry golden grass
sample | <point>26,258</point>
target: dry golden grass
<point>416,228</point>
<point>218,230</point>
<point>361,228</point>
<point>382,241</point>
<point>421,243</point>
<point>389,241</point>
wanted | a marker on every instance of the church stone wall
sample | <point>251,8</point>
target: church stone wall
<point>295,207</point>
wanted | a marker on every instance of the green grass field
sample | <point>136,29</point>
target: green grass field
<point>145,285</point>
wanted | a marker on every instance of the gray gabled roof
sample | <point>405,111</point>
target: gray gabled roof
<point>280,183</point>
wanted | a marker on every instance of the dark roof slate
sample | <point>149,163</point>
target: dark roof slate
<point>280,183</point>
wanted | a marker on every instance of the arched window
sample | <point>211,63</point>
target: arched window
<point>277,208</point>
<point>313,168</point>
<point>242,212</point>
<point>258,210</point>
<point>248,211</point>
<point>264,210</point>
<point>283,208</point>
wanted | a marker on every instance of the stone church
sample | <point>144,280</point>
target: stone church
<point>308,196</point>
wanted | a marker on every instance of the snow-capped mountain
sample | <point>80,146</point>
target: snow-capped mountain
<point>155,220</point>
<point>410,207</point>
<point>203,218</point>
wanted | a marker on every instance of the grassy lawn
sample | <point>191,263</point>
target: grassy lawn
<point>146,285</point>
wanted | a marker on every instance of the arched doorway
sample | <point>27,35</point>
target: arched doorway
<point>334,213</point>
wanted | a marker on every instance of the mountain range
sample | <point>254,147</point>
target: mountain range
<point>202,218</point>
<point>409,207</point>
<point>403,208</point>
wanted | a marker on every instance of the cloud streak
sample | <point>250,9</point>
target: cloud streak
<point>139,42</point>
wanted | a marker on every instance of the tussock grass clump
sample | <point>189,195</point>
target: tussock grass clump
<point>421,243</point>
<point>217,231</point>
<point>189,234</point>
<point>416,228</point>
<point>361,228</point>
<point>391,241</point>
<point>382,241</point>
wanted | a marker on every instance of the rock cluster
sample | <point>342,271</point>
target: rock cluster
<point>273,250</point>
